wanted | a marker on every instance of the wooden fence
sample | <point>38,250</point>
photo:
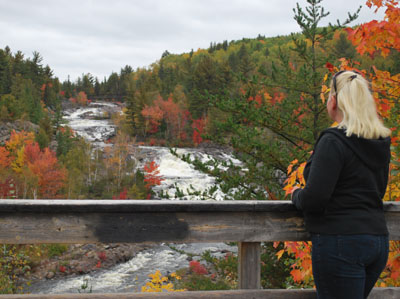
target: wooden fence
<point>143,221</point>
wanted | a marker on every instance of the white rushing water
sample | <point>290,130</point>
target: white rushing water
<point>132,275</point>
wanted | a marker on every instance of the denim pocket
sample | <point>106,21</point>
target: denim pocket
<point>357,249</point>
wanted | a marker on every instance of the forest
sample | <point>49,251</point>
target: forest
<point>264,98</point>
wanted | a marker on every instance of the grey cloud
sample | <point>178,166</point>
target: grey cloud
<point>101,36</point>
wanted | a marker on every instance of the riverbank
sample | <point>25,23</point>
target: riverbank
<point>81,259</point>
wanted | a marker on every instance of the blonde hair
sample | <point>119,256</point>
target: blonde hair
<point>357,104</point>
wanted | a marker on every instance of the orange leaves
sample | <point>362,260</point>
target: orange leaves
<point>257,100</point>
<point>82,99</point>
<point>295,177</point>
<point>4,157</point>
<point>381,36</point>
<point>386,85</point>
<point>44,165</point>
<point>390,276</point>
<point>280,253</point>
<point>278,97</point>
<point>28,162</point>
<point>174,116</point>
<point>154,115</point>
<point>302,266</point>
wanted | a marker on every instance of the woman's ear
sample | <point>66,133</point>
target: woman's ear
<point>334,102</point>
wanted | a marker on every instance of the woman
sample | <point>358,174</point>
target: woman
<point>346,179</point>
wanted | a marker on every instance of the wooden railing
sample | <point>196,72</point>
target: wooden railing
<point>143,221</point>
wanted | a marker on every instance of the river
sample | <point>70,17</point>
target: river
<point>130,276</point>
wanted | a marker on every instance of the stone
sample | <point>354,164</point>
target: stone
<point>50,275</point>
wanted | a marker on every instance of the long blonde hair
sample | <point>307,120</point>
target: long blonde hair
<point>357,104</point>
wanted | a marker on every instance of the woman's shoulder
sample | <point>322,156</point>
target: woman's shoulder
<point>332,139</point>
<point>333,133</point>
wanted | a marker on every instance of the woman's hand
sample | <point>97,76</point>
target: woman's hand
<point>294,189</point>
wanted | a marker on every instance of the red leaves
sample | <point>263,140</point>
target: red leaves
<point>330,67</point>
<point>151,176</point>
<point>102,255</point>
<point>81,99</point>
<point>122,195</point>
<point>198,129</point>
<point>197,268</point>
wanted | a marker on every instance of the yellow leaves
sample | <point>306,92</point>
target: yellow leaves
<point>174,275</point>
<point>280,253</point>
<point>17,140</point>
<point>324,90</point>
<point>267,96</point>
<point>161,283</point>
<point>295,177</point>
<point>19,161</point>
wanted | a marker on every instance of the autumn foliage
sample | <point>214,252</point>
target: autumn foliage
<point>81,99</point>
<point>373,38</point>
<point>197,268</point>
<point>172,121</point>
<point>379,36</point>
<point>36,173</point>
<point>152,176</point>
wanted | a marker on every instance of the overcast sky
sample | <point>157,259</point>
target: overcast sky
<point>101,36</point>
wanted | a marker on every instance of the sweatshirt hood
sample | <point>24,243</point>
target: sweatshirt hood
<point>372,152</point>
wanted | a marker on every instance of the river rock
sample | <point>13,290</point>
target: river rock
<point>85,258</point>
<point>50,275</point>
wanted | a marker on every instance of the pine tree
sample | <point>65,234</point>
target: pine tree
<point>273,121</point>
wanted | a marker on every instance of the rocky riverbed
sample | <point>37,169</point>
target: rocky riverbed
<point>81,259</point>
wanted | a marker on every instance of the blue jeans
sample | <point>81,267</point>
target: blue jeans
<point>347,266</point>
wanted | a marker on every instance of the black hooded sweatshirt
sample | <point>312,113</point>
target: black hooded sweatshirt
<point>346,179</point>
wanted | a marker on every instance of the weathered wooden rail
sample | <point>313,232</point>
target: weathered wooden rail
<point>142,221</point>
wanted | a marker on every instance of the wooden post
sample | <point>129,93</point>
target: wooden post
<point>249,265</point>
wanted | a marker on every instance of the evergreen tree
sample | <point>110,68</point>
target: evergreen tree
<point>97,87</point>
<point>206,80</point>
<point>87,84</point>
<point>273,121</point>
<point>245,65</point>
<point>112,87</point>
<point>343,47</point>
<point>5,76</point>
<point>27,98</point>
